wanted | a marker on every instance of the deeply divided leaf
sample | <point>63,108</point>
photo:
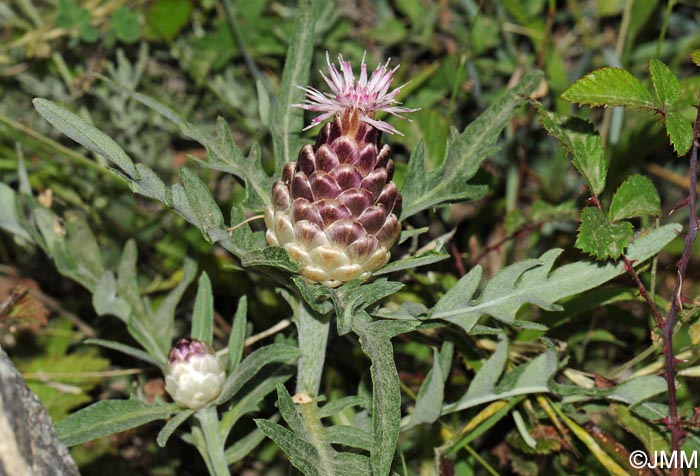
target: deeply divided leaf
<point>534,282</point>
<point>465,153</point>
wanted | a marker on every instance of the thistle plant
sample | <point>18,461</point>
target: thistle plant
<point>335,209</point>
<point>332,217</point>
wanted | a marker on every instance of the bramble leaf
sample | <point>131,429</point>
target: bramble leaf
<point>600,238</point>
<point>667,87</point>
<point>636,197</point>
<point>583,144</point>
<point>610,87</point>
<point>680,132</point>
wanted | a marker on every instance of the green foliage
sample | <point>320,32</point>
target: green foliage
<point>465,153</point>
<point>110,416</point>
<point>481,324</point>
<point>600,237</point>
<point>610,87</point>
<point>636,197</point>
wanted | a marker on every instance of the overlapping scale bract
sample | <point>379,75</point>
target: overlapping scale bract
<point>335,209</point>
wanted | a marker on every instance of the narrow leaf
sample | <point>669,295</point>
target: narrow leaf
<point>610,87</point>
<point>301,454</point>
<point>108,417</point>
<point>236,340</point>
<point>287,122</point>
<point>172,425</point>
<point>536,283</point>
<point>252,364</point>
<point>125,349</point>
<point>386,392</point>
<point>85,134</point>
<point>202,204</point>
<point>203,313</point>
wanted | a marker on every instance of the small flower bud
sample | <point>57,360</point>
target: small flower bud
<point>193,375</point>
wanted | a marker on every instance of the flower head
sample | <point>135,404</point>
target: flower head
<point>193,375</point>
<point>364,97</point>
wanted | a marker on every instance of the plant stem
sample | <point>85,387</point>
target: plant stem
<point>674,424</point>
<point>209,423</point>
<point>313,337</point>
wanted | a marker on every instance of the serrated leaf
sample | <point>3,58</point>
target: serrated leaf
<point>203,313</point>
<point>108,417</point>
<point>251,365</point>
<point>600,238</point>
<point>680,132</point>
<point>583,143</point>
<point>465,153</point>
<point>695,57</point>
<point>287,122</point>
<point>375,338</point>
<point>85,134</point>
<point>636,197</point>
<point>534,282</point>
<point>610,87</point>
<point>667,87</point>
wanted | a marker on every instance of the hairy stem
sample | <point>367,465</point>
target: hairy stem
<point>674,423</point>
<point>209,424</point>
<point>313,337</point>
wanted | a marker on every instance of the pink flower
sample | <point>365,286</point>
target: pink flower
<point>364,96</point>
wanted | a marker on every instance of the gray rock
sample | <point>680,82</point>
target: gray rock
<point>28,443</point>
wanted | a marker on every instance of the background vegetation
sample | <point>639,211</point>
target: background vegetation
<point>207,59</point>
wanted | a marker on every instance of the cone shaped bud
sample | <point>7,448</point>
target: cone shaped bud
<point>193,374</point>
<point>335,209</point>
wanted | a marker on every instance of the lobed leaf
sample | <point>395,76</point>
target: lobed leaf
<point>465,153</point>
<point>610,87</point>
<point>533,281</point>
